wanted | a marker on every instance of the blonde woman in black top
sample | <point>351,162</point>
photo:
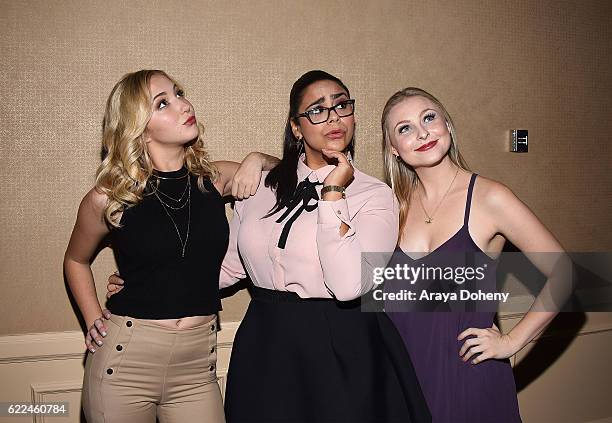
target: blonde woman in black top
<point>159,197</point>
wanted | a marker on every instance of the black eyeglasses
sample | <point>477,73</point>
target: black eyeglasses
<point>320,114</point>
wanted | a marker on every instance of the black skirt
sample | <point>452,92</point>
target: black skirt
<point>319,360</point>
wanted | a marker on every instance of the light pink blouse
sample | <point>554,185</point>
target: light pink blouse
<point>316,261</point>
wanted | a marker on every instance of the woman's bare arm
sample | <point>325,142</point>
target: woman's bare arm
<point>89,229</point>
<point>518,224</point>
<point>241,180</point>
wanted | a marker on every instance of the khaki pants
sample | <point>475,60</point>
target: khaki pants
<point>144,371</point>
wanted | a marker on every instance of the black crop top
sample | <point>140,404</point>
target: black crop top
<point>159,282</point>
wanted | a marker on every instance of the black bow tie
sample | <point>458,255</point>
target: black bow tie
<point>304,192</point>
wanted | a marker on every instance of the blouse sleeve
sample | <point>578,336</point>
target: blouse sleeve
<point>232,269</point>
<point>374,229</point>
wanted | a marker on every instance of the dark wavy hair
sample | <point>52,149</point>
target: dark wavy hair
<point>283,178</point>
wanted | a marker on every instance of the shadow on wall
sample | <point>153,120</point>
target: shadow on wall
<point>562,330</point>
<point>555,340</point>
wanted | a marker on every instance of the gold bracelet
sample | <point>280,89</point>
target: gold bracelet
<point>334,188</point>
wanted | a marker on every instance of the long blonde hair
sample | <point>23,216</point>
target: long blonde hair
<point>126,166</point>
<point>399,175</point>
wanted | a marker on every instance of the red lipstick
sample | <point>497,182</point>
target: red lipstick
<point>190,121</point>
<point>427,146</point>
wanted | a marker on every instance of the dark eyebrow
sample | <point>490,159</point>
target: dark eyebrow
<point>335,96</point>
<point>164,93</point>
<point>318,100</point>
<point>321,99</point>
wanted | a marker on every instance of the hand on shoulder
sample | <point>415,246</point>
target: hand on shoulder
<point>240,180</point>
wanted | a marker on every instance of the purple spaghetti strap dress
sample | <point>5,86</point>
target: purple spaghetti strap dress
<point>455,391</point>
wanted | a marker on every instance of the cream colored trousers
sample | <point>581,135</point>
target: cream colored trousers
<point>145,371</point>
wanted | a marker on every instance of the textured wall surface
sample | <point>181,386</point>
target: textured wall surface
<point>539,65</point>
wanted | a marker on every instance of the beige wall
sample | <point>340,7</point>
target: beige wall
<point>60,59</point>
<point>497,65</point>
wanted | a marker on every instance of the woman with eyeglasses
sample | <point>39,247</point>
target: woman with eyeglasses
<point>158,196</point>
<point>304,351</point>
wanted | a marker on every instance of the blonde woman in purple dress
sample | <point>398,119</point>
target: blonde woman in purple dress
<point>461,358</point>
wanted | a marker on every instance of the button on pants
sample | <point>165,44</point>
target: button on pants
<point>145,371</point>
